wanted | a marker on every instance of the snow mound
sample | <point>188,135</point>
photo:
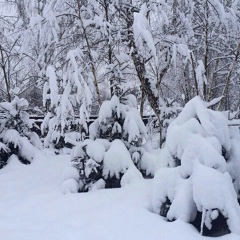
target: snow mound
<point>130,176</point>
<point>201,151</point>
<point>69,186</point>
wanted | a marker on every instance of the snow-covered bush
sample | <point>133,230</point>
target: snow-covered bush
<point>121,120</point>
<point>199,174</point>
<point>102,164</point>
<point>88,156</point>
<point>15,135</point>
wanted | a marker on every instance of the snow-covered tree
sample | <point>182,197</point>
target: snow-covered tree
<point>104,164</point>
<point>198,178</point>
<point>216,48</point>
<point>119,119</point>
<point>118,134</point>
<point>15,135</point>
<point>60,121</point>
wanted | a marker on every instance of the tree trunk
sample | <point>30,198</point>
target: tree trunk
<point>229,74</point>
<point>95,82</point>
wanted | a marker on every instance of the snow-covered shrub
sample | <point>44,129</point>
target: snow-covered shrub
<point>121,120</point>
<point>88,156</point>
<point>15,135</point>
<point>201,173</point>
<point>103,165</point>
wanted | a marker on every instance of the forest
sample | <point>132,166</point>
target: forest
<point>119,119</point>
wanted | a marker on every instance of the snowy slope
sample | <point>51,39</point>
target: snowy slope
<point>33,207</point>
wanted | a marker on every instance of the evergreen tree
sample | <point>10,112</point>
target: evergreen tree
<point>199,183</point>
<point>118,134</point>
<point>15,135</point>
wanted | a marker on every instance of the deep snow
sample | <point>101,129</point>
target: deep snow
<point>33,207</point>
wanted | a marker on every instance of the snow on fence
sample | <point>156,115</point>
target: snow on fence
<point>38,119</point>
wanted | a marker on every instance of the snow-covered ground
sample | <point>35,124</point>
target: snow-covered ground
<point>33,207</point>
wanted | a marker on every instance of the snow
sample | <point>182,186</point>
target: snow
<point>100,184</point>
<point>197,123</point>
<point>142,33</point>
<point>32,206</point>
<point>69,186</point>
<point>93,129</point>
<point>95,150</point>
<point>200,75</point>
<point>11,136</point>
<point>148,163</point>
<point>50,73</point>
<point>201,151</point>
<point>107,107</point>
<point>13,163</point>
<point>27,150</point>
<point>134,126</point>
<point>223,196</point>
<point>35,141</point>
<point>3,147</point>
<point>169,184</point>
<point>130,176</point>
<point>116,160</point>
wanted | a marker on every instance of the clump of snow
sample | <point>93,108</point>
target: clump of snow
<point>13,163</point>
<point>134,128</point>
<point>35,140</point>
<point>142,34</point>
<point>95,150</point>
<point>90,166</point>
<point>27,150</point>
<point>50,73</point>
<point>11,136</point>
<point>99,184</point>
<point>71,173</point>
<point>168,184</point>
<point>148,163</point>
<point>214,190</point>
<point>131,175</point>
<point>117,160</point>
<point>104,142</point>
<point>69,186</point>
<point>200,75</point>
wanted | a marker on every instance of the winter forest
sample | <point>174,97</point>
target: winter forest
<point>119,119</point>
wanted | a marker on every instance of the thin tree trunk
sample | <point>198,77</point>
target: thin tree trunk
<point>142,103</point>
<point>194,75</point>
<point>6,79</point>
<point>95,82</point>
<point>230,74</point>
<point>110,53</point>
<point>206,48</point>
<point>139,63</point>
<point>212,81</point>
